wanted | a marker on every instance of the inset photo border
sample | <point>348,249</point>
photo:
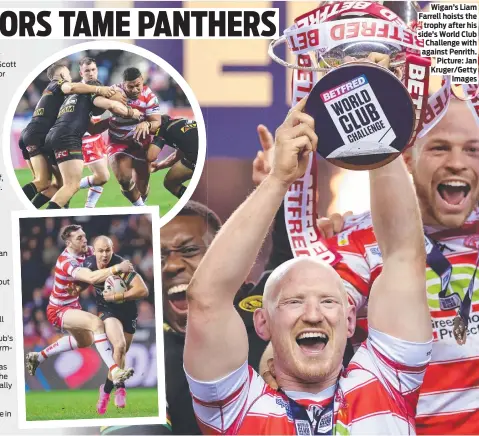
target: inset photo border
<point>70,350</point>
<point>163,188</point>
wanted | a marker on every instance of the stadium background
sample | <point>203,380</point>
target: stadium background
<point>82,369</point>
<point>111,64</point>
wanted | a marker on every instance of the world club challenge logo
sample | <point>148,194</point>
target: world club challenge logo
<point>359,119</point>
<point>363,116</point>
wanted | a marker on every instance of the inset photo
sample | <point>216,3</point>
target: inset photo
<point>104,127</point>
<point>89,309</point>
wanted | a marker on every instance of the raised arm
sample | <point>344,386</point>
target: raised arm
<point>93,277</point>
<point>397,303</point>
<point>216,340</point>
<point>83,88</point>
<point>117,108</point>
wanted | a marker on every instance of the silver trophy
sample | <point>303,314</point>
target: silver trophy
<point>337,38</point>
<point>406,10</point>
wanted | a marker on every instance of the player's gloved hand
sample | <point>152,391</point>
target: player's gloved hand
<point>295,140</point>
<point>142,130</point>
<point>264,159</point>
<point>332,225</point>
<point>125,266</point>
<point>105,91</point>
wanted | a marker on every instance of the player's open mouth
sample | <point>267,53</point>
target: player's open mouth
<point>177,298</point>
<point>312,342</point>
<point>454,192</point>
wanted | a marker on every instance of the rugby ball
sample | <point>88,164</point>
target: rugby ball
<point>115,284</point>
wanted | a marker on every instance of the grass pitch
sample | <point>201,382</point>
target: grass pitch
<point>112,196</point>
<point>81,404</point>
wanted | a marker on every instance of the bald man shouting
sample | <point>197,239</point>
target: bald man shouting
<point>307,318</point>
<point>118,312</point>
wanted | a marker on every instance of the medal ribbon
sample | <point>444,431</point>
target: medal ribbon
<point>304,425</point>
<point>442,267</point>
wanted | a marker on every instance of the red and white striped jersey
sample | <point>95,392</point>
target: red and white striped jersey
<point>121,129</point>
<point>449,397</point>
<point>87,138</point>
<point>65,268</point>
<point>376,394</point>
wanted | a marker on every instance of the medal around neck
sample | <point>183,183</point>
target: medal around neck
<point>364,116</point>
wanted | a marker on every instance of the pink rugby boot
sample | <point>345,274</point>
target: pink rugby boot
<point>120,397</point>
<point>103,401</point>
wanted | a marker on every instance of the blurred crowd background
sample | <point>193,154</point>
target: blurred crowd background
<point>41,244</point>
<point>111,64</point>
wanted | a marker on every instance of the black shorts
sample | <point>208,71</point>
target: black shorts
<point>128,321</point>
<point>23,148</point>
<point>32,141</point>
<point>188,163</point>
<point>183,135</point>
<point>60,139</point>
<point>66,155</point>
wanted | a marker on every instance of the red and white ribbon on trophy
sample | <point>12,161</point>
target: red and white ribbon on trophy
<point>316,31</point>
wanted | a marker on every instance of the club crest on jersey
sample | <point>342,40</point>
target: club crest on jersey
<point>188,126</point>
<point>343,239</point>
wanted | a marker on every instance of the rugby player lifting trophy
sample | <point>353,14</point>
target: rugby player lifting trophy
<point>367,84</point>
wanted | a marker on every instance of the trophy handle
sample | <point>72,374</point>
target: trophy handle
<point>282,39</point>
<point>467,98</point>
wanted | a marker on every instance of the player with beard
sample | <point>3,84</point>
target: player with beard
<point>64,310</point>
<point>184,241</point>
<point>181,134</point>
<point>307,317</point>
<point>444,165</point>
<point>130,139</point>
<point>65,137</point>
<point>117,311</point>
<point>34,135</point>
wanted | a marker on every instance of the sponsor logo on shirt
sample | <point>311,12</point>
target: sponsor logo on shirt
<point>250,304</point>
<point>374,256</point>
<point>190,125</point>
